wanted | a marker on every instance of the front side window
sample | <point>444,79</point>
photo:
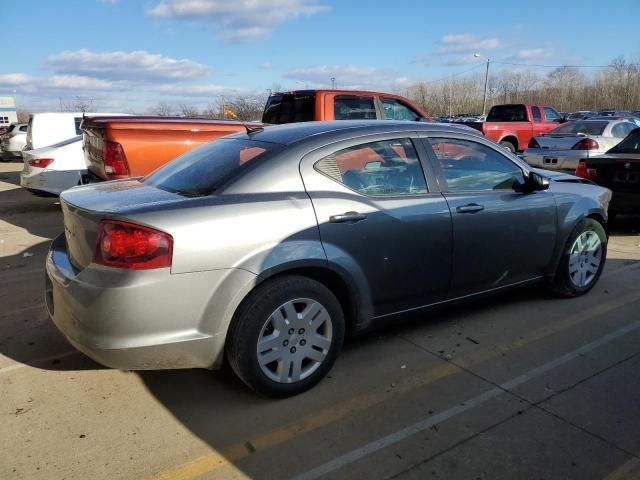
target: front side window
<point>396,110</point>
<point>387,167</point>
<point>349,107</point>
<point>551,114</point>
<point>470,166</point>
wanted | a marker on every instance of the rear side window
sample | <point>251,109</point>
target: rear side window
<point>396,110</point>
<point>507,113</point>
<point>621,130</point>
<point>388,167</point>
<point>470,166</point>
<point>537,116</point>
<point>290,108</point>
<point>77,122</point>
<point>202,170</point>
<point>23,128</point>
<point>349,107</point>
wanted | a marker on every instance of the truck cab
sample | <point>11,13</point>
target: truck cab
<point>326,105</point>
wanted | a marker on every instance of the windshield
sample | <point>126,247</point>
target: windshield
<point>202,170</point>
<point>590,127</point>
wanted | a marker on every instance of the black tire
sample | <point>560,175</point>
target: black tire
<point>562,283</point>
<point>253,314</point>
<point>508,145</point>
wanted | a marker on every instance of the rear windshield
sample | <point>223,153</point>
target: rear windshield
<point>631,144</point>
<point>589,127</point>
<point>290,108</point>
<point>507,113</point>
<point>202,170</point>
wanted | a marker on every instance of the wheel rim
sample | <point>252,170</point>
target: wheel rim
<point>295,340</point>
<point>585,257</point>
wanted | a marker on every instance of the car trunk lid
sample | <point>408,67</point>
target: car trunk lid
<point>618,173</point>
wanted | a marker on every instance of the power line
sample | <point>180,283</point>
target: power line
<point>475,67</point>
<point>549,66</point>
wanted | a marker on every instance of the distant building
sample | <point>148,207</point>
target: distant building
<point>8,112</point>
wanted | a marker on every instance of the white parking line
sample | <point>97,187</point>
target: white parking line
<point>37,361</point>
<point>427,423</point>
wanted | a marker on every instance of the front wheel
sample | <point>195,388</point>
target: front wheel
<point>286,336</point>
<point>583,259</point>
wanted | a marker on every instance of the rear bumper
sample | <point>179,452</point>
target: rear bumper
<point>625,202</point>
<point>141,320</point>
<point>554,159</point>
<point>50,181</point>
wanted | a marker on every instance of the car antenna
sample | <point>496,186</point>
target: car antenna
<point>253,128</point>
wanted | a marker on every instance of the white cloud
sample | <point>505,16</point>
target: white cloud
<point>348,77</point>
<point>239,20</point>
<point>465,43</point>
<point>136,65</point>
<point>534,53</point>
<point>266,66</point>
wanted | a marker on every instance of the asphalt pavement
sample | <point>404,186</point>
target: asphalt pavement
<point>521,385</point>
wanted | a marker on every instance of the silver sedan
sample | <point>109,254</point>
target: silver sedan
<point>266,247</point>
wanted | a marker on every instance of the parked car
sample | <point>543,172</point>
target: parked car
<point>619,171</point>
<point>319,105</point>
<point>126,146</point>
<point>581,115</point>
<point>45,129</point>
<point>562,148</point>
<point>12,142</point>
<point>512,126</point>
<point>267,246</point>
<point>51,170</point>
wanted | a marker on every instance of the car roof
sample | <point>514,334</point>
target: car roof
<point>290,133</point>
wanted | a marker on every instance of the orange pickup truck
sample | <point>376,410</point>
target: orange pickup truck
<point>120,147</point>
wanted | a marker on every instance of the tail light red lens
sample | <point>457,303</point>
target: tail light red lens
<point>130,246</point>
<point>584,172</point>
<point>533,143</point>
<point>115,163</point>
<point>40,162</point>
<point>586,144</point>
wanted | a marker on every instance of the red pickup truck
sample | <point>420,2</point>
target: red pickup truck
<point>512,126</point>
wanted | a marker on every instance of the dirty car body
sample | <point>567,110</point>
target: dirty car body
<point>387,217</point>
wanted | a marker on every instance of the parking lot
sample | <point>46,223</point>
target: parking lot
<point>522,385</point>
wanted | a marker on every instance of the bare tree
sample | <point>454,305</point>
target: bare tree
<point>163,109</point>
<point>189,110</point>
<point>23,115</point>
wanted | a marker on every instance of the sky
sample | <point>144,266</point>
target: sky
<point>128,55</point>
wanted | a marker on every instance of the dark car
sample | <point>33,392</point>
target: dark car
<point>265,247</point>
<point>618,170</point>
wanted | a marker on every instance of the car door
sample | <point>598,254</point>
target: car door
<point>500,236</point>
<point>380,222</point>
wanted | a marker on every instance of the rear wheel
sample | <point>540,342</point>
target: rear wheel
<point>508,145</point>
<point>286,336</point>
<point>583,259</point>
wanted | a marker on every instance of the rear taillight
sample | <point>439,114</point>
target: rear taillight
<point>115,163</point>
<point>533,143</point>
<point>130,246</point>
<point>586,144</point>
<point>584,172</point>
<point>40,162</point>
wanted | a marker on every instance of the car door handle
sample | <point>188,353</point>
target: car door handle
<point>471,208</point>
<point>348,217</point>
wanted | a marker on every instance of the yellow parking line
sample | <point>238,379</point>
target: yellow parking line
<point>627,471</point>
<point>221,461</point>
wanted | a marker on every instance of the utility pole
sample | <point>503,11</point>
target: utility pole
<point>450,98</point>
<point>333,83</point>
<point>486,81</point>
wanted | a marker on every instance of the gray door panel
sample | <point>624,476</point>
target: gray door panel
<point>401,243</point>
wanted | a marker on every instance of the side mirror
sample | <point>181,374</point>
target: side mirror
<point>533,183</point>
